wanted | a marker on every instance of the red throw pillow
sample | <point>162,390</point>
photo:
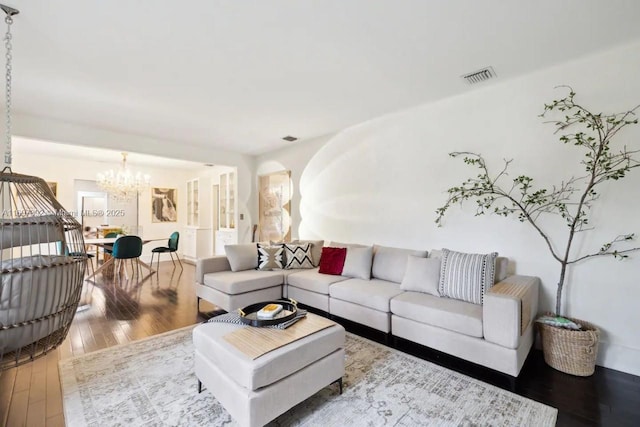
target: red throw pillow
<point>332,260</point>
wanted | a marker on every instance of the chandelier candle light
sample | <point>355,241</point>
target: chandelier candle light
<point>122,185</point>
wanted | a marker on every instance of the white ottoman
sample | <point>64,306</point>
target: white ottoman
<point>256,391</point>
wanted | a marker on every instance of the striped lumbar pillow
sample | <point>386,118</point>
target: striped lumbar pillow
<point>298,256</point>
<point>466,276</point>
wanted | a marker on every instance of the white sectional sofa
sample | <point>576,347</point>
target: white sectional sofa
<point>497,333</point>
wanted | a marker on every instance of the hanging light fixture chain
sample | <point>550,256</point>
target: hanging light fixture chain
<point>8,47</point>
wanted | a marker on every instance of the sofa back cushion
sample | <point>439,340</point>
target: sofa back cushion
<point>502,263</point>
<point>357,263</point>
<point>346,245</point>
<point>242,257</point>
<point>466,277</point>
<point>391,263</point>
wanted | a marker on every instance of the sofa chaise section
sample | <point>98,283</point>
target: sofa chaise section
<point>230,290</point>
<point>252,272</point>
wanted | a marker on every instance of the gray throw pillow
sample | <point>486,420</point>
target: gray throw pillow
<point>422,275</point>
<point>242,257</point>
<point>357,263</point>
<point>466,277</point>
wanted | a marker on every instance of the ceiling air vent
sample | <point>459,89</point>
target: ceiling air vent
<point>479,76</point>
<point>290,138</point>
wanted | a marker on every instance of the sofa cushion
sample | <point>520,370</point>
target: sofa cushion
<point>466,276</point>
<point>287,273</point>
<point>242,257</point>
<point>346,245</point>
<point>316,249</point>
<point>446,313</point>
<point>357,263</point>
<point>298,256</point>
<point>313,280</point>
<point>390,263</point>
<point>270,257</point>
<point>422,275</point>
<point>239,282</point>
<point>372,293</point>
<point>332,260</point>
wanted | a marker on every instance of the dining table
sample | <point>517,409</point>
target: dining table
<point>109,241</point>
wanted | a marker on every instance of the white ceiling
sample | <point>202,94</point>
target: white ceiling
<point>111,159</point>
<point>239,75</point>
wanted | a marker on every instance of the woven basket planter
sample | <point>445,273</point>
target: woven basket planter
<point>569,351</point>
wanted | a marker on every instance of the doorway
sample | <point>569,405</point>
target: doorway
<point>96,209</point>
<point>92,207</point>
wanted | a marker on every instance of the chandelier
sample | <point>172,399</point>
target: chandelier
<point>123,185</point>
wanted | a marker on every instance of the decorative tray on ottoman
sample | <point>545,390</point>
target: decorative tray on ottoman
<point>250,313</point>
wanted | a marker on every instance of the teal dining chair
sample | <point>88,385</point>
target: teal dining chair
<point>171,248</point>
<point>127,248</point>
<point>87,256</point>
<point>109,248</point>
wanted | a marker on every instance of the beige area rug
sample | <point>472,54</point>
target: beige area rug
<point>151,383</point>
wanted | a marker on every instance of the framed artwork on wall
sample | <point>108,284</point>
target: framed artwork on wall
<point>54,188</point>
<point>274,205</point>
<point>164,204</point>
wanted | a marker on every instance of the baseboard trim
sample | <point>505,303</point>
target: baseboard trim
<point>619,358</point>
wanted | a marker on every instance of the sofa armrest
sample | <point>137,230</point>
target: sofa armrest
<point>211,265</point>
<point>508,309</point>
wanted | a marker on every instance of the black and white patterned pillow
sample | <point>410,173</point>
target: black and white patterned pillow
<point>298,256</point>
<point>234,318</point>
<point>465,276</point>
<point>270,257</point>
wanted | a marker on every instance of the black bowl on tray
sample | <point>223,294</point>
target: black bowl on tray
<point>249,314</point>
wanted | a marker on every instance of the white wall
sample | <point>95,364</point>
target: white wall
<point>381,182</point>
<point>65,171</point>
<point>295,159</point>
<point>68,133</point>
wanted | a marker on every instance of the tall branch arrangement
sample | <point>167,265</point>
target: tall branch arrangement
<point>571,200</point>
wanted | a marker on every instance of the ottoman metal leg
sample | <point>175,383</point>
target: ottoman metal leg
<point>200,387</point>
<point>339,381</point>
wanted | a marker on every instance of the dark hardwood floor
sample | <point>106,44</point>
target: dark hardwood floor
<point>30,395</point>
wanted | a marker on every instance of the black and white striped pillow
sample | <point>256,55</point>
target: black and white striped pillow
<point>298,256</point>
<point>466,277</point>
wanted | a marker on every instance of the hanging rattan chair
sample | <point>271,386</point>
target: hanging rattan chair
<point>42,262</point>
